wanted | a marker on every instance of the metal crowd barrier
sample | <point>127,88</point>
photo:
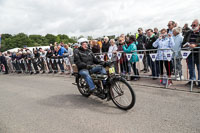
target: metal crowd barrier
<point>174,68</point>
<point>35,65</point>
<point>186,60</point>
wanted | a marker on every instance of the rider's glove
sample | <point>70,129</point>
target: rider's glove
<point>89,66</point>
<point>105,64</point>
<point>102,63</point>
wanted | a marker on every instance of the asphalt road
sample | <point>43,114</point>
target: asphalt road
<point>51,104</point>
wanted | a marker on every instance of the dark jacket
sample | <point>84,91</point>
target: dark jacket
<point>96,49</point>
<point>196,52</point>
<point>49,54</point>
<point>187,38</point>
<point>83,57</point>
<point>142,40</point>
<point>105,47</point>
<point>2,60</point>
<point>149,44</point>
<point>185,31</point>
<point>37,55</point>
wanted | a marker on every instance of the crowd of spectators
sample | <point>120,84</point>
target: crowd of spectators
<point>59,56</point>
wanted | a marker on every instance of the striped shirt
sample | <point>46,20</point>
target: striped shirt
<point>193,37</point>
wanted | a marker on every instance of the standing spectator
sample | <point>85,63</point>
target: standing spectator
<point>76,46</point>
<point>185,29</point>
<point>61,51</point>
<point>69,59</point>
<point>142,40</point>
<point>171,25</point>
<point>55,54</point>
<point>156,32</point>
<point>49,62</point>
<point>164,42</point>
<point>127,39</point>
<point>29,57</point>
<point>149,45</point>
<point>90,45</point>
<point>21,61</point>
<point>123,60</point>
<point>113,49</point>
<point>105,45</point>
<point>100,44</point>
<point>14,62</point>
<point>193,38</point>
<point>178,39</point>
<point>95,47</point>
<point>35,61</point>
<point>42,59</point>
<point>128,48</point>
<point>8,58</point>
<point>123,37</point>
<point>3,62</point>
<point>52,48</point>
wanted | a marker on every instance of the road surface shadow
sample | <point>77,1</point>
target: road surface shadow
<point>74,101</point>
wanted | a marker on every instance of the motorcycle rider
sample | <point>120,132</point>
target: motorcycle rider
<point>84,59</point>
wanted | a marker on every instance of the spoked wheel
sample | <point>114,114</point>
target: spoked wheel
<point>122,94</point>
<point>82,86</point>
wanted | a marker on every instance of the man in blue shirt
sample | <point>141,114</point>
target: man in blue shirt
<point>61,51</point>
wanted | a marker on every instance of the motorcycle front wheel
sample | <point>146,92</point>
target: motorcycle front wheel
<point>122,94</point>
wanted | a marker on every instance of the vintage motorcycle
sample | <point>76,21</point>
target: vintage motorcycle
<point>116,87</point>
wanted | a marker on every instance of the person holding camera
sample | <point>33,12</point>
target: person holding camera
<point>165,41</point>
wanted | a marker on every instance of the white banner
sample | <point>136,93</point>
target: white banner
<point>185,54</point>
<point>168,55</point>
<point>52,60</point>
<point>109,56</point>
<point>128,56</point>
<point>101,57</point>
<point>119,55</point>
<point>153,56</point>
<point>60,60</point>
<point>48,60</point>
<point>140,56</point>
<point>56,60</point>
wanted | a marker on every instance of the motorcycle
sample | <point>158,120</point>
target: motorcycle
<point>111,86</point>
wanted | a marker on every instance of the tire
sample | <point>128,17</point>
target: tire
<point>82,86</point>
<point>116,89</point>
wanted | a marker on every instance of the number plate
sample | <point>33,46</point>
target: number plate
<point>111,70</point>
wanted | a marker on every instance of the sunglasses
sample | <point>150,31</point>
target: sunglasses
<point>193,25</point>
<point>169,25</point>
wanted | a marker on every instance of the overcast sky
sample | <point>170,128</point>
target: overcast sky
<point>93,17</point>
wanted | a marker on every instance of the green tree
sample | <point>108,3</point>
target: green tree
<point>90,38</point>
<point>20,40</point>
<point>50,38</point>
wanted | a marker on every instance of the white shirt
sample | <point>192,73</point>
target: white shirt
<point>112,48</point>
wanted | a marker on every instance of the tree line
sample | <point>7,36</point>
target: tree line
<point>20,40</point>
